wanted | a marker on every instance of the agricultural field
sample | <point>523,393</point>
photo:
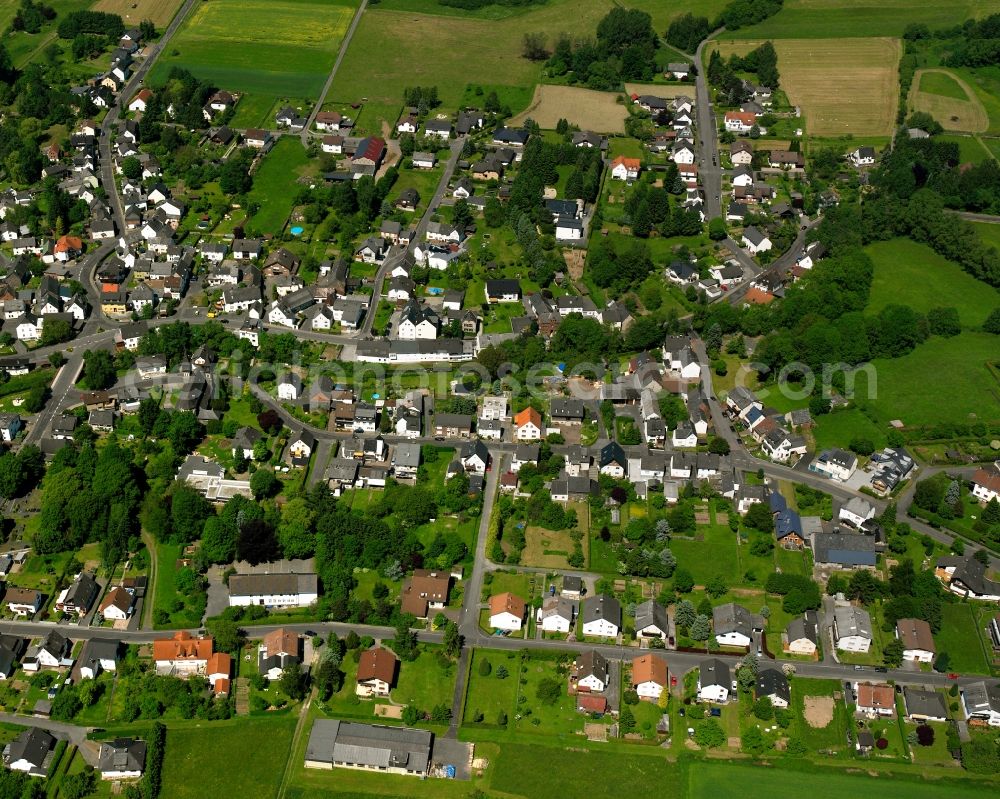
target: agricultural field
<point>985,83</point>
<point>587,109</point>
<point>262,47</point>
<point>663,11</point>
<point>860,18</point>
<point>159,12</point>
<point>842,85</point>
<point>949,99</point>
<point>971,149</point>
<point>467,49</point>
<point>207,750</point>
<point>908,273</point>
<point>712,779</point>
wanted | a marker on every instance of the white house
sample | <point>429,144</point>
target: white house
<point>856,511</point>
<point>918,641</point>
<point>863,156</point>
<point>986,483</point>
<point>650,677</point>
<point>590,672</point>
<point>981,701</point>
<point>289,387</point>
<point>507,612</point>
<point>836,464</point>
<point>756,241</point>
<point>602,616</point>
<point>714,681</point>
<point>556,615</point>
<point>623,168</point>
<point>732,625</point>
<point>275,590</point>
<point>852,629</point>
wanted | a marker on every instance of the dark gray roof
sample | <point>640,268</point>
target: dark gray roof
<point>921,702</point>
<point>651,614</point>
<point>122,754</point>
<point>972,574</point>
<point>369,745</point>
<point>803,627</point>
<point>83,591</point>
<point>257,584</point>
<point>602,606</point>
<point>772,682</point>
<point>732,618</point>
<point>592,663</point>
<point>845,549</point>
<point>714,672</point>
<point>32,745</point>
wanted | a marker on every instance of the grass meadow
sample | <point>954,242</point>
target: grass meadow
<point>943,83</point>
<point>277,48</point>
<point>244,757</point>
<point>908,273</point>
<point>949,99</point>
<point>274,185</point>
<point>959,637</point>
<point>820,19</point>
<point>159,12</point>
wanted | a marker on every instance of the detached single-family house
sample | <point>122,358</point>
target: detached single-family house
<point>122,759</point>
<point>31,752</point>
<point>377,670</point>
<point>528,425</point>
<point>714,681</point>
<point>590,672</point>
<point>852,629</point>
<point>802,634</point>
<point>733,625</point>
<point>602,616</point>
<point>876,699</point>
<point>507,612</point>
<point>756,241</point>
<point>773,684</point>
<point>981,701</point>
<point>651,620</point>
<point>623,168</point>
<point>924,705</point>
<point>650,677</point>
<point>862,156</point>
<point>556,615</point>
<point>918,641</point>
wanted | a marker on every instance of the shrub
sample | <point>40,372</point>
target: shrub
<point>881,743</point>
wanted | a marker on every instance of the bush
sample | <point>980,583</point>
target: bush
<point>925,735</point>
<point>881,743</point>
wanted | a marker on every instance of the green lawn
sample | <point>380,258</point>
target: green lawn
<point>827,19</point>
<point>713,779</point>
<point>541,772</point>
<point>467,49</point>
<point>959,637</point>
<point>426,681</point>
<point>283,48</point>
<point>274,186</point>
<point>489,695</point>
<point>714,554</point>
<point>985,82</point>
<point>943,84</point>
<point>908,273</point>
<point>254,111</point>
<point>244,757</point>
<point>165,589</point>
<point>911,388</point>
<point>969,149</point>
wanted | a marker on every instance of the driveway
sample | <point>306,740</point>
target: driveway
<point>218,593</point>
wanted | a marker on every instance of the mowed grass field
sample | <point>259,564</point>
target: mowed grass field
<point>274,47</point>
<point>949,99</point>
<point>820,19</point>
<point>712,779</point>
<point>590,110</point>
<point>244,757</point>
<point>394,49</point>
<point>159,12</point>
<point>908,273</point>
<point>842,85</point>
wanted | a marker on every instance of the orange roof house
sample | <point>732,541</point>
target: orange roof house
<point>507,603</point>
<point>623,167</point>
<point>220,666</point>
<point>649,669</point>
<point>879,699</point>
<point>183,654</point>
<point>528,416</point>
<point>757,296</point>
<point>67,244</point>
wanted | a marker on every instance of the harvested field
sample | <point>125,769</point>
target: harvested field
<point>588,109</point>
<point>818,711</point>
<point>928,94</point>
<point>159,12</point>
<point>842,85</point>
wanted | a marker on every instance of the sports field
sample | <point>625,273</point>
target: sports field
<point>949,99</point>
<point>842,85</point>
<point>908,273</point>
<point>821,19</point>
<point>451,51</point>
<point>273,47</point>
<point>589,110</point>
<point>709,780</point>
<point>159,12</point>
